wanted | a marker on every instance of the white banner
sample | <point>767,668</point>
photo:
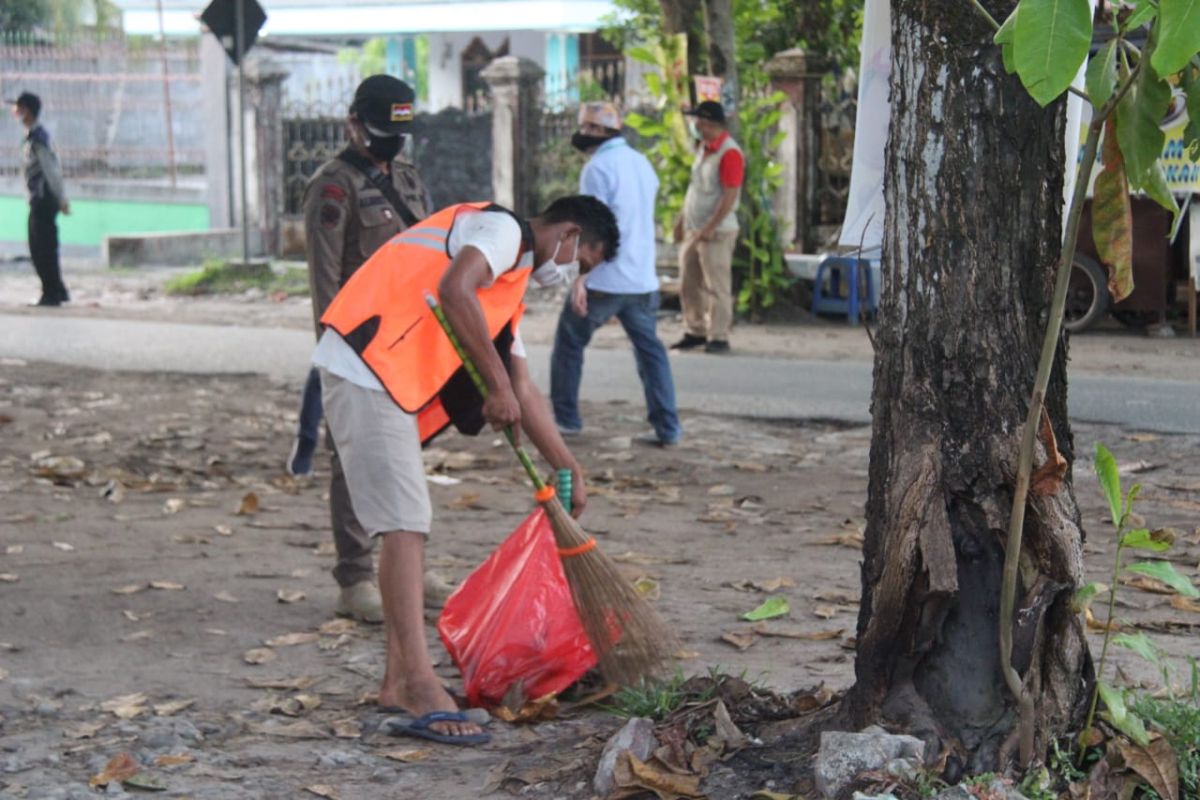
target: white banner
<point>864,207</point>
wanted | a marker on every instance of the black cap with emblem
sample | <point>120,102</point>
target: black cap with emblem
<point>384,105</point>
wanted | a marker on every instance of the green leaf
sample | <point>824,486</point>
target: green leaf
<point>642,54</point>
<point>1102,74</point>
<point>1112,216</point>
<point>1110,481</point>
<point>654,83</point>
<point>1004,38</point>
<point>1146,11</point>
<point>1138,115</point>
<point>772,607</point>
<point>1191,134</point>
<point>1050,41</point>
<point>1131,725</point>
<point>1179,35</point>
<point>1114,701</point>
<point>1156,188</point>
<point>1142,539</point>
<point>1084,596</point>
<point>1139,643</point>
<point>1165,571</point>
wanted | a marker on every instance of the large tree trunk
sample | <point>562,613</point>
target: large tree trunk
<point>974,195</point>
<point>721,45</point>
<point>687,16</point>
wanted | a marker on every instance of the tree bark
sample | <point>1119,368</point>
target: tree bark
<point>974,197</point>
<point>687,16</point>
<point>718,15</point>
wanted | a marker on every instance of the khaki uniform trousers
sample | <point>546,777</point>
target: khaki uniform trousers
<point>706,284</point>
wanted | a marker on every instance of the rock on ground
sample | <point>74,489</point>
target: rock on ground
<point>844,756</point>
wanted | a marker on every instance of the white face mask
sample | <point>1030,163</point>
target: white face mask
<point>551,273</point>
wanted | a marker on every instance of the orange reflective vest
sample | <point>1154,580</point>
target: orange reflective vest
<point>382,314</point>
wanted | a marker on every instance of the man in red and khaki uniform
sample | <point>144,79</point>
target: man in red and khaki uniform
<point>708,231</point>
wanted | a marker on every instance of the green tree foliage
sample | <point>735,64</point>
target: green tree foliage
<point>828,29</point>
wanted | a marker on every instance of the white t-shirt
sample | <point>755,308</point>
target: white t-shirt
<point>493,233</point>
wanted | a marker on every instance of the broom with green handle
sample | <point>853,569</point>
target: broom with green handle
<point>630,640</point>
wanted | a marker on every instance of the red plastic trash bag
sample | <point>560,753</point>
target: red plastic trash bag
<point>513,621</point>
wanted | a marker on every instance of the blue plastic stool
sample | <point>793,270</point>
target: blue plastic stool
<point>835,268</point>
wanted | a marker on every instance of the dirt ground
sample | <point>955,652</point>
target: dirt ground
<point>126,569</point>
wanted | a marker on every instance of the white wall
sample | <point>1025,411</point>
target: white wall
<point>445,64</point>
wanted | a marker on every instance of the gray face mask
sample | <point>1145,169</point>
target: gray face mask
<point>551,273</point>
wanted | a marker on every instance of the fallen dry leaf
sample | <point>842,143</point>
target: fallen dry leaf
<point>120,767</point>
<point>9,577</point>
<point>336,627</point>
<point>729,733</point>
<point>66,547</point>
<point>300,729</point>
<point>763,629</point>
<point>1146,584</point>
<point>290,595</point>
<point>291,639</point>
<point>173,707</point>
<point>464,501</point>
<point>174,760</point>
<point>14,549</point>
<point>132,588</point>
<point>248,506</point>
<point>1182,603</point>
<point>739,639</point>
<point>1096,625</point>
<point>84,730</point>
<point>173,505</point>
<point>347,728</point>
<point>138,636</point>
<point>259,655</point>
<point>167,586</point>
<point>633,777</point>
<point>127,706</point>
<point>327,645</point>
<point>225,597</point>
<point>1156,764</point>
<point>407,756</point>
<point>223,530</point>
<point>824,612</point>
<point>321,790</point>
<point>851,539</point>
<point>133,616</point>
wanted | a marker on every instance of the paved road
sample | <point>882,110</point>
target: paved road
<point>765,387</point>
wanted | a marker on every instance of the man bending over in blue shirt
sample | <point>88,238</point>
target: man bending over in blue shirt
<point>625,287</point>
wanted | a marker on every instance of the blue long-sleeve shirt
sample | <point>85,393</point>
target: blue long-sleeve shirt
<point>623,178</point>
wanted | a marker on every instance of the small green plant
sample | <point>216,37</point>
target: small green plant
<point>1117,711</point>
<point>1178,718</point>
<point>220,277</point>
<point>650,698</point>
<point>764,272</point>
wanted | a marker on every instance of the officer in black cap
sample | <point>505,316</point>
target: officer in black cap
<point>47,198</point>
<point>353,205</point>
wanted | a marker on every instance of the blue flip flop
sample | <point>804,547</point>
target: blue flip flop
<point>400,726</point>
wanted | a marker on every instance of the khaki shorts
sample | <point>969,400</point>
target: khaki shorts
<point>380,450</point>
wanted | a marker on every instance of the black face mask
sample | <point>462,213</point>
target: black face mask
<point>584,141</point>
<point>385,148</point>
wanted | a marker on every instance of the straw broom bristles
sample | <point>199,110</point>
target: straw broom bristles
<point>630,640</point>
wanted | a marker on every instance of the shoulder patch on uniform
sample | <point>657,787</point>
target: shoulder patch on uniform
<point>331,191</point>
<point>331,215</point>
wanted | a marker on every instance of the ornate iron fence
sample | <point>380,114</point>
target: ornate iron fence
<point>835,150</point>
